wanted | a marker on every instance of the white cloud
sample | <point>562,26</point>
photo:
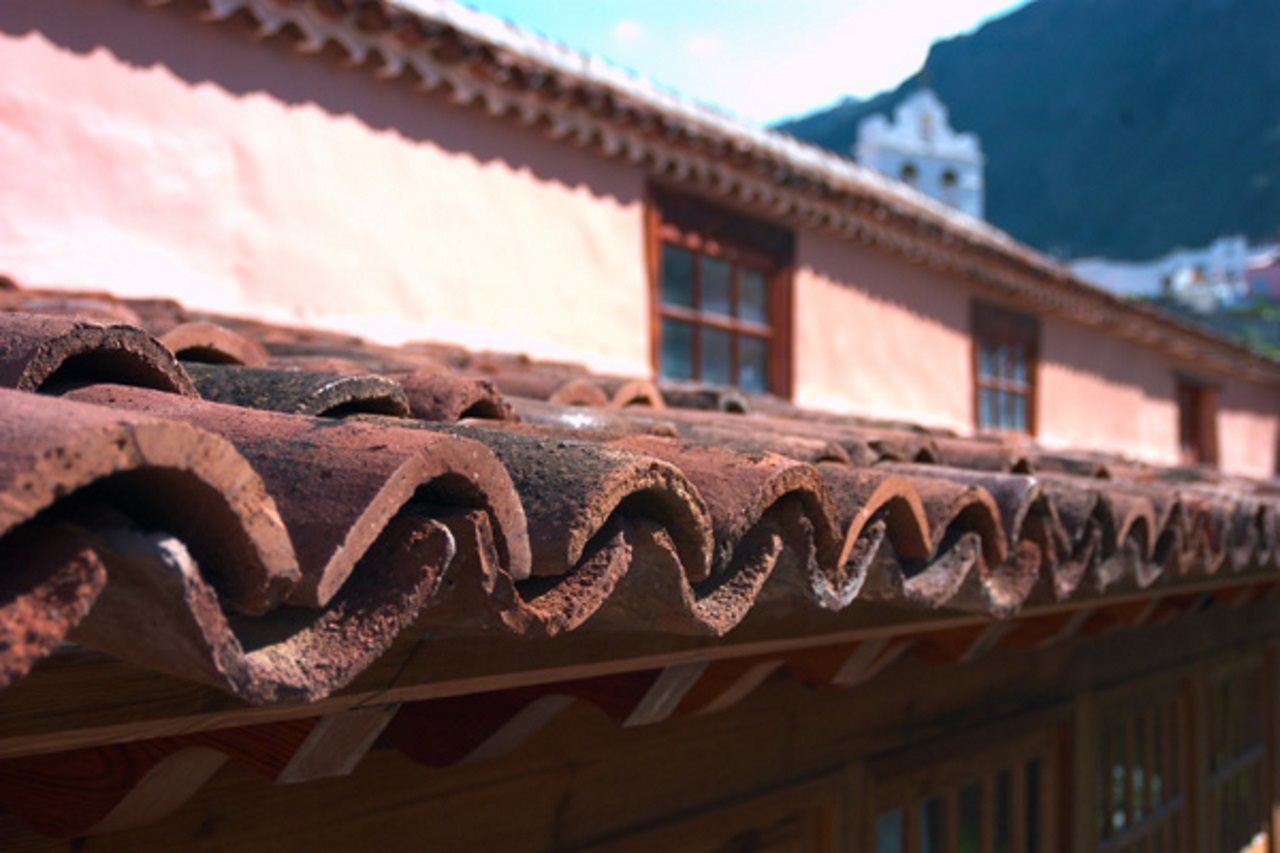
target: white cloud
<point>703,46</point>
<point>627,30</point>
<point>871,47</point>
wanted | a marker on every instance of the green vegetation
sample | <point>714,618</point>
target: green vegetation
<point>1256,324</point>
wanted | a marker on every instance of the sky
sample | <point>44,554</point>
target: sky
<point>760,59</point>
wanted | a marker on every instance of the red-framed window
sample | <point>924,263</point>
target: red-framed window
<point>1005,349</point>
<point>721,295</point>
<point>1197,422</point>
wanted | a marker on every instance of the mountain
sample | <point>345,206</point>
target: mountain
<point>1114,128</point>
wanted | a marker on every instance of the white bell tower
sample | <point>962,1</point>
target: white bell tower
<point>919,147</point>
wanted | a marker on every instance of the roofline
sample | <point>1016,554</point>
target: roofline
<point>479,60</point>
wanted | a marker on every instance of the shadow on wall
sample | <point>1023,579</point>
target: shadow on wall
<point>1094,389</point>
<point>229,55</point>
<point>925,294</point>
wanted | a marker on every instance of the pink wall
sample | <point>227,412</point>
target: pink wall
<point>878,336</point>
<point>1099,391</point>
<point>148,154</point>
<point>905,353</point>
<point>1248,429</point>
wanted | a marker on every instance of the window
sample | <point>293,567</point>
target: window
<point>909,173</point>
<point>1141,799</point>
<point>950,178</point>
<point>1197,422</point>
<point>1004,348</point>
<point>1237,784</point>
<point>999,800</point>
<point>722,293</point>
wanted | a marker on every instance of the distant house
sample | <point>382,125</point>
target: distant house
<point>1263,275</point>
<point>1203,279</point>
<point>864,526</point>
<point>919,147</point>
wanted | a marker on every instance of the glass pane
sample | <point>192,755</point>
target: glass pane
<point>752,363</point>
<point>716,364</point>
<point>715,284</point>
<point>986,408</point>
<point>986,361</point>
<point>1019,404</point>
<point>1033,806</point>
<point>889,832</point>
<point>753,296</point>
<point>1004,812</point>
<point>1014,411</point>
<point>1119,768</point>
<point>1019,366</point>
<point>933,826</point>
<point>969,832</point>
<point>677,276</point>
<point>677,349</point>
<point>1002,361</point>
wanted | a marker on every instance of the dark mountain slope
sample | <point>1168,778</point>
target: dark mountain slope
<point>1120,128</point>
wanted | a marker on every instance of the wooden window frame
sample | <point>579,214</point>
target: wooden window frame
<point>707,229</point>
<point>1255,756</point>
<point>1192,687</point>
<point>1198,428</point>
<point>1170,696</point>
<point>995,323</point>
<point>906,783</point>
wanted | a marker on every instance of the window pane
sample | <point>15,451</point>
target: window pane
<point>1019,367</point>
<point>969,833</point>
<point>677,349</point>
<point>677,276</point>
<point>753,296</point>
<point>889,832</point>
<point>1119,770</point>
<point>753,364</point>
<point>986,361</point>
<point>986,408</point>
<point>1004,812</point>
<point>933,829</point>
<point>715,284</point>
<point>716,365</point>
<point>1012,410</point>
<point>1001,358</point>
<point>1019,405</point>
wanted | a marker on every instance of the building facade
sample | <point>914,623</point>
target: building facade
<point>220,164</point>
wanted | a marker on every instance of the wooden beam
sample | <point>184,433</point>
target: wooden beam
<point>725,683</point>
<point>337,743</point>
<point>858,664</point>
<point>46,712</point>
<point>527,722</point>
<point>165,788</point>
<point>986,641</point>
<point>1084,770</point>
<point>662,699</point>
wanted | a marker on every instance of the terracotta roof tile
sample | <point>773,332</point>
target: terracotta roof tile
<point>278,553</point>
<point>213,344</point>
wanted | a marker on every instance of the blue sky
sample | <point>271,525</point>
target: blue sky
<point>760,59</point>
